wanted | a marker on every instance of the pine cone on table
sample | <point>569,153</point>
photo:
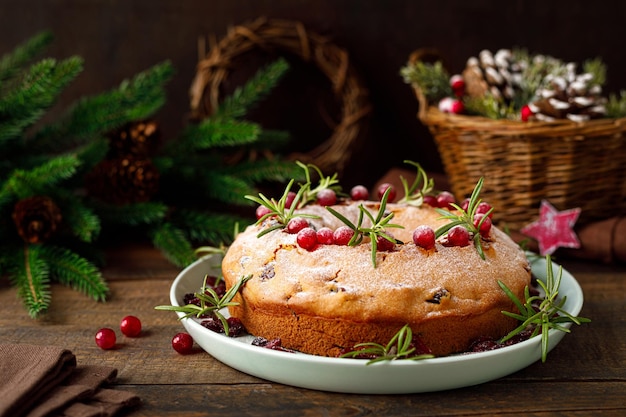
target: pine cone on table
<point>36,218</point>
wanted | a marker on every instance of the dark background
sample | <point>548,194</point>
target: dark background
<point>118,38</point>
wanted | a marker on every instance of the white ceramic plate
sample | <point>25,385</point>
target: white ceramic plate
<point>353,375</point>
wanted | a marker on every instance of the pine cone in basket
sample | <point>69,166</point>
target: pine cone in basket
<point>499,74</point>
<point>570,95</point>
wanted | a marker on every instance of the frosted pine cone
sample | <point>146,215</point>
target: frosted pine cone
<point>571,95</point>
<point>499,75</point>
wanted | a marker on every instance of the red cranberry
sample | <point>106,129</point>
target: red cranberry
<point>342,235</point>
<point>485,227</point>
<point>325,236</point>
<point>182,343</point>
<point>392,192</point>
<point>130,326</point>
<point>296,224</point>
<point>445,199</point>
<point>326,197</point>
<point>105,338</point>
<point>424,237</point>
<point>359,192</point>
<point>431,200</point>
<point>458,236</point>
<point>483,208</point>
<point>307,238</point>
<point>384,245</point>
<point>289,199</point>
<point>261,211</point>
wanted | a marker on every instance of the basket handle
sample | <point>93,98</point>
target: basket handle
<point>427,55</point>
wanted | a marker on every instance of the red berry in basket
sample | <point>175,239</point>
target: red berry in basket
<point>261,211</point>
<point>182,343</point>
<point>325,236</point>
<point>457,83</point>
<point>359,192</point>
<point>458,236</point>
<point>526,113</point>
<point>392,192</point>
<point>445,199</point>
<point>485,226</point>
<point>105,338</point>
<point>342,235</point>
<point>424,237</point>
<point>307,238</point>
<point>130,326</point>
<point>326,197</point>
<point>451,105</point>
<point>296,224</point>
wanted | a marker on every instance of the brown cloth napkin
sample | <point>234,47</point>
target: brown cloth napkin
<point>40,381</point>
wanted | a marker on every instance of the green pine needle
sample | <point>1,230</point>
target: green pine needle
<point>25,183</point>
<point>82,220</point>
<point>213,228</point>
<point>31,277</point>
<point>13,62</point>
<point>244,98</point>
<point>255,172</point>
<point>70,269</point>
<point>173,244</point>
<point>213,134</point>
<point>227,188</point>
<point>135,214</point>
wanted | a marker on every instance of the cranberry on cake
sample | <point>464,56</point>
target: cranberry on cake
<point>435,269</point>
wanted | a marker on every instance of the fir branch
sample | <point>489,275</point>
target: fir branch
<point>25,183</point>
<point>244,98</point>
<point>214,228</point>
<point>173,244</point>
<point>271,139</point>
<point>431,78</point>
<point>597,69</point>
<point>255,172</point>
<point>227,188</point>
<point>31,277</point>
<point>210,133</point>
<point>137,98</point>
<point>143,213</point>
<point>12,63</point>
<point>72,270</point>
<point>82,220</point>
<point>616,105</point>
<point>27,102</point>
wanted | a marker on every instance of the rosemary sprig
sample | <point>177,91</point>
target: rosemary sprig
<point>465,218</point>
<point>325,182</point>
<point>412,194</point>
<point>399,347</point>
<point>278,209</point>
<point>541,313</point>
<point>378,228</point>
<point>210,302</point>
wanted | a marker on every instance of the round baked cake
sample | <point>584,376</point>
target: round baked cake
<point>326,299</point>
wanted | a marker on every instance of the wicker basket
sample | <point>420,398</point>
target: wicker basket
<point>289,37</point>
<point>566,163</point>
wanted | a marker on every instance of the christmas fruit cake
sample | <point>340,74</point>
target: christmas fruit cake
<point>320,285</point>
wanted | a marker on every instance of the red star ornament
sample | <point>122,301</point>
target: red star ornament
<point>554,229</point>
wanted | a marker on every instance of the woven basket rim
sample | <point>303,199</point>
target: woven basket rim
<point>292,37</point>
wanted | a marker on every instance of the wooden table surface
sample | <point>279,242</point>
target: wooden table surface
<point>585,374</point>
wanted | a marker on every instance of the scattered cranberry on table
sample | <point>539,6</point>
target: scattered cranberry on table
<point>130,326</point>
<point>182,343</point>
<point>105,338</point>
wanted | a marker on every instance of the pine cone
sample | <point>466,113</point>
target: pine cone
<point>138,139</point>
<point>571,95</point>
<point>498,74</point>
<point>36,218</point>
<point>123,180</point>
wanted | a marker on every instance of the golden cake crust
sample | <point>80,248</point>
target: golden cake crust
<point>324,300</point>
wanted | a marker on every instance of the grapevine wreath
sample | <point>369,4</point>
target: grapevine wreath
<point>291,37</point>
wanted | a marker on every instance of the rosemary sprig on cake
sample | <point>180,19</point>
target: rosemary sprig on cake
<point>414,194</point>
<point>209,302</point>
<point>472,222</point>
<point>541,313</point>
<point>401,346</point>
<point>379,237</point>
